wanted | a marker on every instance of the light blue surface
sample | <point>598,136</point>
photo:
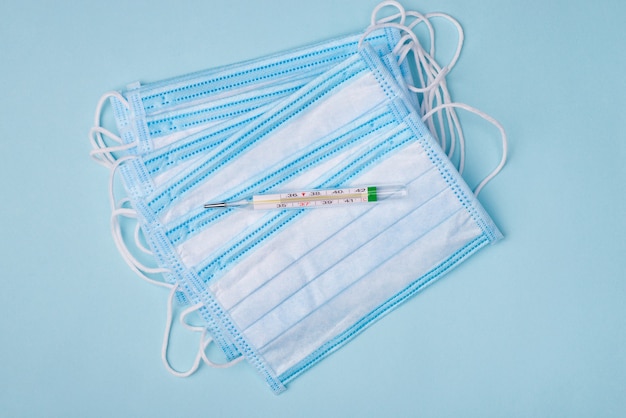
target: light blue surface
<point>533,326</point>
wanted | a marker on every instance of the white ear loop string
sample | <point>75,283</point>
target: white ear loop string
<point>133,214</point>
<point>102,153</point>
<point>451,117</point>
<point>433,83</point>
<point>436,104</point>
<point>204,341</point>
<point>138,242</point>
<point>419,18</point>
<point>401,13</point>
<point>459,30</point>
<point>205,344</point>
<point>139,269</point>
<point>118,210</point>
<point>426,64</point>
<point>166,341</point>
<point>130,213</point>
<point>494,122</point>
<point>114,168</point>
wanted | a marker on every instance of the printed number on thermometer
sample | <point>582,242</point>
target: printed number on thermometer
<point>313,198</point>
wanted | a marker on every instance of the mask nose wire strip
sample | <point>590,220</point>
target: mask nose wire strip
<point>489,119</point>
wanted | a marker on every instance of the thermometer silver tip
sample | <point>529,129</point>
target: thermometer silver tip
<point>215,205</point>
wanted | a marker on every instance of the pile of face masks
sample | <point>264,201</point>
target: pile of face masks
<point>283,288</point>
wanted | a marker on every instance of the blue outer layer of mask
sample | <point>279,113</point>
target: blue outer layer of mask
<point>221,102</point>
<point>286,288</point>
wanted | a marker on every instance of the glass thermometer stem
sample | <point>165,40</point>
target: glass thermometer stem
<point>317,198</point>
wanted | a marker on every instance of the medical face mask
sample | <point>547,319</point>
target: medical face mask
<point>289,286</point>
<point>286,287</point>
<point>190,223</point>
<point>154,115</point>
<point>241,93</point>
<point>220,101</point>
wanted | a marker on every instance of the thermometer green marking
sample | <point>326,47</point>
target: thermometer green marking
<point>316,198</point>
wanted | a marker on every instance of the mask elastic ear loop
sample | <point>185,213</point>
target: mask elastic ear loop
<point>434,91</point>
<point>453,123</point>
<point>489,119</point>
<point>118,210</point>
<point>436,80</point>
<point>114,168</point>
<point>413,37</point>
<point>409,36</point>
<point>423,19</point>
<point>131,213</point>
<point>166,340</point>
<point>138,242</point>
<point>187,312</point>
<point>425,65</point>
<point>101,152</point>
<point>460,32</point>
<point>205,344</point>
<point>102,101</point>
<point>135,264</point>
<point>401,13</point>
<point>204,341</point>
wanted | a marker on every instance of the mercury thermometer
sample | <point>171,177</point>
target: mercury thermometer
<point>316,198</point>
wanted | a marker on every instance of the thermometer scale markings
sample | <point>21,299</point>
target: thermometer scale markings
<point>310,198</point>
<point>316,198</point>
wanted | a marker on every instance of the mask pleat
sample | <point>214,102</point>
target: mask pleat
<point>235,79</point>
<point>215,111</point>
<point>253,236</point>
<point>304,167</point>
<point>366,293</point>
<point>286,287</point>
<point>262,289</point>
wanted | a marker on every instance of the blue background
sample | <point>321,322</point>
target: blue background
<point>533,326</point>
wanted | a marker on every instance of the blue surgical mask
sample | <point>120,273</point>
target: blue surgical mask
<point>220,101</point>
<point>157,114</point>
<point>285,288</point>
<point>175,129</point>
<point>270,279</point>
